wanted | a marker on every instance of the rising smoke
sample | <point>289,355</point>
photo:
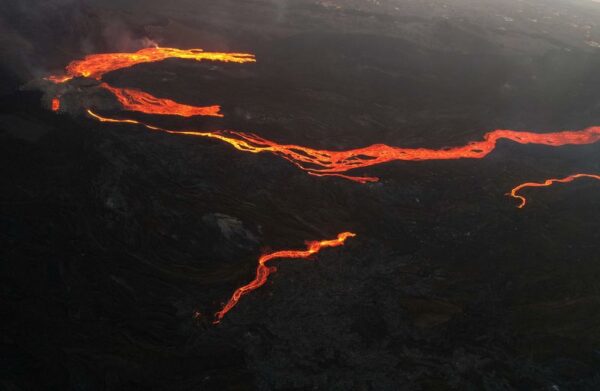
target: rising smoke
<point>38,35</point>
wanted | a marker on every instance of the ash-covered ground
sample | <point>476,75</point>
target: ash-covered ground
<point>118,244</point>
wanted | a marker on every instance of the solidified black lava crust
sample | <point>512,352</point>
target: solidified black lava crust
<point>118,244</point>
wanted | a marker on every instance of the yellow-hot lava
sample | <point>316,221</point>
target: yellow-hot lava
<point>335,163</point>
<point>263,271</point>
<point>314,161</point>
<point>97,65</point>
<point>548,182</point>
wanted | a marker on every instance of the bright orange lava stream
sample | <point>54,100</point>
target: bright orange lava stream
<point>136,100</point>
<point>547,182</point>
<point>335,163</point>
<point>313,161</point>
<point>263,271</point>
<point>96,65</point>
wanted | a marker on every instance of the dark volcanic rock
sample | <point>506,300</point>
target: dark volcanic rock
<point>119,244</point>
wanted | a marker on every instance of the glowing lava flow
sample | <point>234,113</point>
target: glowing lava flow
<point>135,100</point>
<point>315,162</point>
<point>263,271</point>
<point>547,182</point>
<point>96,65</point>
<point>335,163</point>
<point>55,104</point>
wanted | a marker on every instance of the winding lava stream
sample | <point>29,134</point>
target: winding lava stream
<point>263,271</point>
<point>547,182</point>
<point>313,161</point>
<point>322,162</point>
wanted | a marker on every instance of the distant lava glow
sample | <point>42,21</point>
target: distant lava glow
<point>136,100</point>
<point>263,271</point>
<point>547,182</point>
<point>55,104</point>
<point>96,65</point>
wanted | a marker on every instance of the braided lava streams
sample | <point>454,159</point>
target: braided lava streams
<point>136,100</point>
<point>547,182</point>
<point>315,162</point>
<point>96,65</point>
<point>263,271</point>
<point>335,163</point>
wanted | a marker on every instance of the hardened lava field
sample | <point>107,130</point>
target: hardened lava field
<point>329,195</point>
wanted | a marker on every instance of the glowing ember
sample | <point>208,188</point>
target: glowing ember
<point>135,100</point>
<point>263,271</point>
<point>55,103</point>
<point>359,179</point>
<point>96,65</point>
<point>324,162</point>
<point>58,78</point>
<point>547,182</point>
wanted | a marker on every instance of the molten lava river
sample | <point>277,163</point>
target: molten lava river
<point>315,162</point>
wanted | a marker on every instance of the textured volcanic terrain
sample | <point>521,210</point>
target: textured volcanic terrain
<point>119,244</point>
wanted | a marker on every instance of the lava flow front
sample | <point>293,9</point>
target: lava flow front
<point>547,182</point>
<point>263,271</point>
